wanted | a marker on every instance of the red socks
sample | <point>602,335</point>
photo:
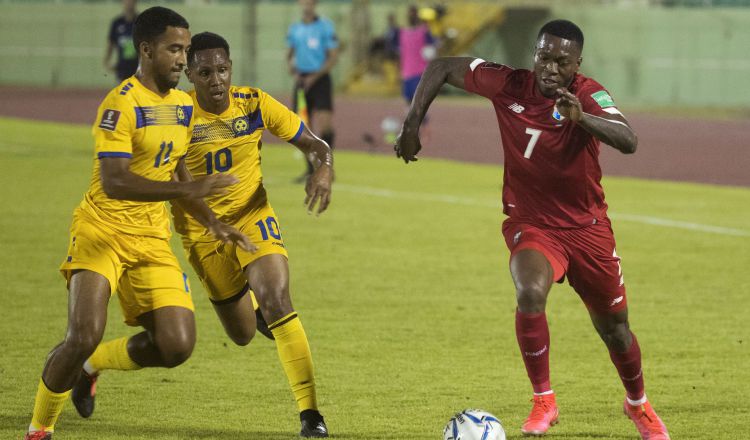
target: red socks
<point>532,333</point>
<point>628,365</point>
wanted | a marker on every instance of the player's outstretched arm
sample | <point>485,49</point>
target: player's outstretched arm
<point>449,70</point>
<point>318,188</point>
<point>196,207</point>
<point>120,183</point>
<point>612,129</point>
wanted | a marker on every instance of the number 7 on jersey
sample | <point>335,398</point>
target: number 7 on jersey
<point>532,142</point>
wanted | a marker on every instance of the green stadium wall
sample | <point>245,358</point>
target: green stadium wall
<point>646,56</point>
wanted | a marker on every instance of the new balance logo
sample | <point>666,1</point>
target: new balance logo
<point>516,107</point>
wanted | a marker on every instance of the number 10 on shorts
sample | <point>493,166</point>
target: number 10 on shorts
<point>269,227</point>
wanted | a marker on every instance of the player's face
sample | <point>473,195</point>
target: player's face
<point>308,6</point>
<point>211,74</point>
<point>556,60</point>
<point>168,55</point>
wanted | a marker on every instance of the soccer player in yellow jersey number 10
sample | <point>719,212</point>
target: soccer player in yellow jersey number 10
<point>229,122</point>
<point>119,238</point>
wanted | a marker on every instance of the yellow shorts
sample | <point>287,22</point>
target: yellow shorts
<point>143,270</point>
<point>220,266</point>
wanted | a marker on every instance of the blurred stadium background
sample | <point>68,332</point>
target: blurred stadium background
<point>403,284</point>
<point>650,52</point>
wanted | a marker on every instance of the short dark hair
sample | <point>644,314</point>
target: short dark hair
<point>206,40</point>
<point>153,22</point>
<point>563,29</point>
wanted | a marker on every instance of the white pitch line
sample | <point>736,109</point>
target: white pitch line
<point>635,218</point>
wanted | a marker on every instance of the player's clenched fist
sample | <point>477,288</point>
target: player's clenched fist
<point>407,144</point>
<point>568,105</point>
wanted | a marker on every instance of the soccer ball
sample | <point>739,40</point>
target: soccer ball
<point>473,424</point>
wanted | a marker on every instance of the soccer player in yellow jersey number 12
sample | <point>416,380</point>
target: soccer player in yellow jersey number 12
<point>229,122</point>
<point>120,232</point>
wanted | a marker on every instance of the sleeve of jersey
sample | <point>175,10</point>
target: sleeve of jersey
<point>485,79</point>
<point>333,41</point>
<point>280,121</point>
<point>114,127</point>
<point>597,101</point>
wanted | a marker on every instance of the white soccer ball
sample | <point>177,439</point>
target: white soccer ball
<point>473,424</point>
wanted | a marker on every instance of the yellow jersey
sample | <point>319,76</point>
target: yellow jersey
<point>152,131</point>
<point>230,142</point>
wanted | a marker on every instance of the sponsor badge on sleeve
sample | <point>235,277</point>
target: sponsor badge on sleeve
<point>603,99</point>
<point>109,119</point>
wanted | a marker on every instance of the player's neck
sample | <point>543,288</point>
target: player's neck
<point>150,83</point>
<point>309,18</point>
<point>214,107</point>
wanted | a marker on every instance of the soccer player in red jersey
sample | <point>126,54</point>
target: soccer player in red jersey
<point>552,120</point>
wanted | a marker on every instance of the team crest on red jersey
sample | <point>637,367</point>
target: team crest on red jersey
<point>556,114</point>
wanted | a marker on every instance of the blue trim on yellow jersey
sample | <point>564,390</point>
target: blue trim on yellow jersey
<point>299,132</point>
<point>113,154</point>
<point>126,88</point>
<point>245,95</point>
<point>163,115</point>
<point>228,128</point>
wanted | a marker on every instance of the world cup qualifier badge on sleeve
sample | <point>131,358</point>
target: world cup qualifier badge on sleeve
<point>109,119</point>
<point>603,99</point>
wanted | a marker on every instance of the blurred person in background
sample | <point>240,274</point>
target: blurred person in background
<point>313,51</point>
<point>416,46</point>
<point>121,39</point>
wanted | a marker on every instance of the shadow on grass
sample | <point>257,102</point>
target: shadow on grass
<point>78,428</point>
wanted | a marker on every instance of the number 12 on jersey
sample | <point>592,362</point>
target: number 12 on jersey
<point>532,142</point>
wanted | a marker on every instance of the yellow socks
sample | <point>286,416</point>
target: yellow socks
<point>111,355</point>
<point>294,353</point>
<point>47,408</point>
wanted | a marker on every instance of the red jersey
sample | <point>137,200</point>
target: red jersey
<point>552,174</point>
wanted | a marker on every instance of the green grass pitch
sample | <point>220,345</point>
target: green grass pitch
<point>404,290</point>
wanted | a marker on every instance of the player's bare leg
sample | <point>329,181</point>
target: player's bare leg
<point>88,297</point>
<point>533,278</point>
<point>269,276</point>
<point>238,318</point>
<point>167,342</point>
<point>625,353</point>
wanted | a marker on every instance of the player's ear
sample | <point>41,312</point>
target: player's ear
<point>145,49</point>
<point>580,60</point>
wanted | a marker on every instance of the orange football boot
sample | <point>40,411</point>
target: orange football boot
<point>648,423</point>
<point>543,415</point>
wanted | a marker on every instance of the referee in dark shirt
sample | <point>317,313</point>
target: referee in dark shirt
<point>121,38</point>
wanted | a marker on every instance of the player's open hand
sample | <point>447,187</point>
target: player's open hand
<point>229,234</point>
<point>318,189</point>
<point>407,144</point>
<point>568,105</point>
<point>212,185</point>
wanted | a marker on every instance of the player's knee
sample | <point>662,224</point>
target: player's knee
<point>275,300</point>
<point>81,345</point>
<point>531,297</point>
<point>176,350</point>
<point>617,338</point>
<point>241,335</point>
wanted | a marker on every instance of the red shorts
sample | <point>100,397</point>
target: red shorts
<point>585,255</point>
